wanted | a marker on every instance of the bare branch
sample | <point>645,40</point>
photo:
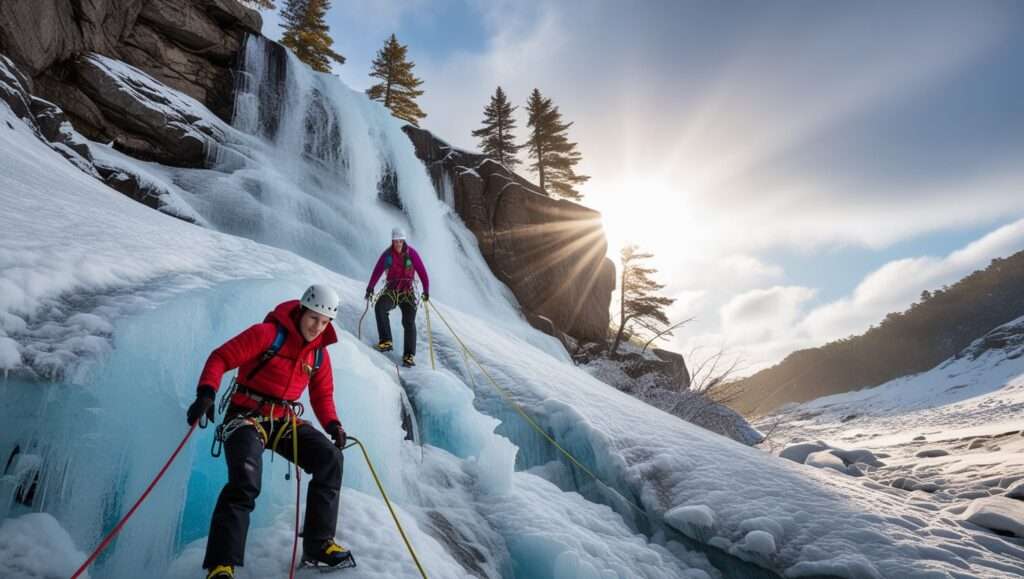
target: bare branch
<point>666,331</point>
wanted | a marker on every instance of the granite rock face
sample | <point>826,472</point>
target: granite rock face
<point>189,45</point>
<point>51,126</point>
<point>75,59</point>
<point>550,253</point>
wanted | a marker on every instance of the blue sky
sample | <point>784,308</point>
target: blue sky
<point>799,168</point>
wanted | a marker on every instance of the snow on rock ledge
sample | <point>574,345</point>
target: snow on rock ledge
<point>695,521</point>
<point>166,125</point>
<point>1000,514</point>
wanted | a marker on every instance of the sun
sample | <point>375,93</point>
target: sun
<point>647,211</point>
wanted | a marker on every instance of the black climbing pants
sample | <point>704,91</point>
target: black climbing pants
<point>407,303</point>
<point>243,451</point>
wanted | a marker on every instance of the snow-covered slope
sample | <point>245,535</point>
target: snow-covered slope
<point>948,440</point>
<point>120,304</point>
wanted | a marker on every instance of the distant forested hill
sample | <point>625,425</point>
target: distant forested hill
<point>938,326</point>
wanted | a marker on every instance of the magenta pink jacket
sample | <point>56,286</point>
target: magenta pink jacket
<point>400,270</point>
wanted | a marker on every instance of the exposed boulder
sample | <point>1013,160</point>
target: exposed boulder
<point>45,118</point>
<point>15,89</point>
<point>38,33</point>
<point>187,24</point>
<point>191,46</point>
<point>676,366</point>
<point>229,13</point>
<point>999,514</point>
<point>151,122</point>
<point>799,451</point>
<point>51,126</point>
<point>549,252</point>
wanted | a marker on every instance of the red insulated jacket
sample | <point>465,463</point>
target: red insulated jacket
<point>285,375</point>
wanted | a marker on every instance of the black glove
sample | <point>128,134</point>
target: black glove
<point>426,297</point>
<point>203,404</point>
<point>369,293</point>
<point>337,433</point>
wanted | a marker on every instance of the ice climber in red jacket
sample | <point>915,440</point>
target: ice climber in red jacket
<point>276,359</point>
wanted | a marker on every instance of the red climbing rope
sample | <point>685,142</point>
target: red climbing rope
<point>298,492</point>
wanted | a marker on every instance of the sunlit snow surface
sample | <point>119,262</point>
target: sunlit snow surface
<point>119,305</point>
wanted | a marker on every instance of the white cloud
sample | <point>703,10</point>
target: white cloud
<point>761,326</point>
<point>897,284</point>
<point>762,314</point>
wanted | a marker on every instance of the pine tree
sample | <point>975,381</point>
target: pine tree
<point>258,4</point>
<point>554,156</point>
<point>398,88</point>
<point>497,140</point>
<point>306,33</point>
<point>637,299</point>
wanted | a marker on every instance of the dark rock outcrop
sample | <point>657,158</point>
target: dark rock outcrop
<point>550,253</point>
<point>52,127</point>
<point>43,117</point>
<point>189,45</point>
<point>78,55</point>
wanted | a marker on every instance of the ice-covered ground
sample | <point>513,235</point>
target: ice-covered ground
<point>154,291</point>
<point>948,440</point>
<point>109,308</point>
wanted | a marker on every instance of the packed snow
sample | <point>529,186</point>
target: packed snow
<point>35,546</point>
<point>113,307</point>
<point>948,440</point>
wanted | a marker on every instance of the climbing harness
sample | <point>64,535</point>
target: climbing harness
<point>228,427</point>
<point>117,528</point>
<point>507,397</point>
<point>394,516</point>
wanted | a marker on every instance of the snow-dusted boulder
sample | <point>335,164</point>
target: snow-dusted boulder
<point>799,451</point>
<point>46,119</point>
<point>932,453</point>
<point>907,483</point>
<point>15,88</point>
<point>162,124</point>
<point>694,521</point>
<point>857,455</point>
<point>999,514</point>
<point>825,459</point>
<point>187,44</point>
<point>760,542</point>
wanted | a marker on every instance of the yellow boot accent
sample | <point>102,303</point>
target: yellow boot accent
<point>334,548</point>
<point>221,572</point>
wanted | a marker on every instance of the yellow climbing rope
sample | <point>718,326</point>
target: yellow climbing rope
<point>533,424</point>
<point>387,501</point>
<point>430,335</point>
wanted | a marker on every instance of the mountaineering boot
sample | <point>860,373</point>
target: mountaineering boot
<point>409,360</point>
<point>384,346</point>
<point>221,572</point>
<point>327,553</point>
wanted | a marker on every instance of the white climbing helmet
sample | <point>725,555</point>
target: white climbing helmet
<point>397,233</point>
<point>321,299</point>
